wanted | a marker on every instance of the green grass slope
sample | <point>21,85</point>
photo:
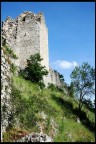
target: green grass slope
<point>58,109</point>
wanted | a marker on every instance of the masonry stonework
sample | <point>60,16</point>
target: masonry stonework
<point>5,92</point>
<point>28,35</point>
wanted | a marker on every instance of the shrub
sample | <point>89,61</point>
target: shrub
<point>51,86</point>
<point>13,68</point>
<point>34,71</point>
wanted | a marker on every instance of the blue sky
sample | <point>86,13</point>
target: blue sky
<point>71,31</point>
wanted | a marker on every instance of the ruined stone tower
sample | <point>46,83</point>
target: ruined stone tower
<point>27,35</point>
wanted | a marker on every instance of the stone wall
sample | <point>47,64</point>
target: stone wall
<point>44,45</point>
<point>5,91</point>
<point>28,35</point>
<point>53,77</point>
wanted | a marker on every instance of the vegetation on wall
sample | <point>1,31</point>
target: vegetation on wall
<point>9,52</point>
<point>13,68</point>
<point>34,71</point>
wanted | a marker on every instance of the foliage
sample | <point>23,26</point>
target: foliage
<point>71,131</point>
<point>9,52</point>
<point>30,101</point>
<point>88,103</point>
<point>42,85</point>
<point>21,108</point>
<point>13,68</point>
<point>14,134</point>
<point>25,108</point>
<point>54,87</point>
<point>83,78</point>
<point>61,77</point>
<point>51,86</point>
<point>34,71</point>
<point>71,90</point>
<point>17,105</point>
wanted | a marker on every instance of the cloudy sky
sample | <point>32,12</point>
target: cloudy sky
<point>71,31</point>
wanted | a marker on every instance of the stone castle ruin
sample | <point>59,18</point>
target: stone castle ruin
<point>28,35</point>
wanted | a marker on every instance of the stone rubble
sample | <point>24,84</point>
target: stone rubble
<point>35,137</point>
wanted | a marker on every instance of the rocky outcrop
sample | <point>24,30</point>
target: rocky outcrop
<point>5,91</point>
<point>36,137</point>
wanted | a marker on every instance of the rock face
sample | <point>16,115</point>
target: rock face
<point>28,35</point>
<point>5,91</point>
<point>35,137</point>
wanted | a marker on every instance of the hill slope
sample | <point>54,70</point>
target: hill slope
<point>50,110</point>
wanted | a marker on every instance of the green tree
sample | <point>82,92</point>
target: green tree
<point>34,71</point>
<point>88,103</point>
<point>83,78</point>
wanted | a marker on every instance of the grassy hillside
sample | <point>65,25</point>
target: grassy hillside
<point>53,110</point>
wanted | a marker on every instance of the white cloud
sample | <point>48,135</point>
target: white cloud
<point>65,64</point>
